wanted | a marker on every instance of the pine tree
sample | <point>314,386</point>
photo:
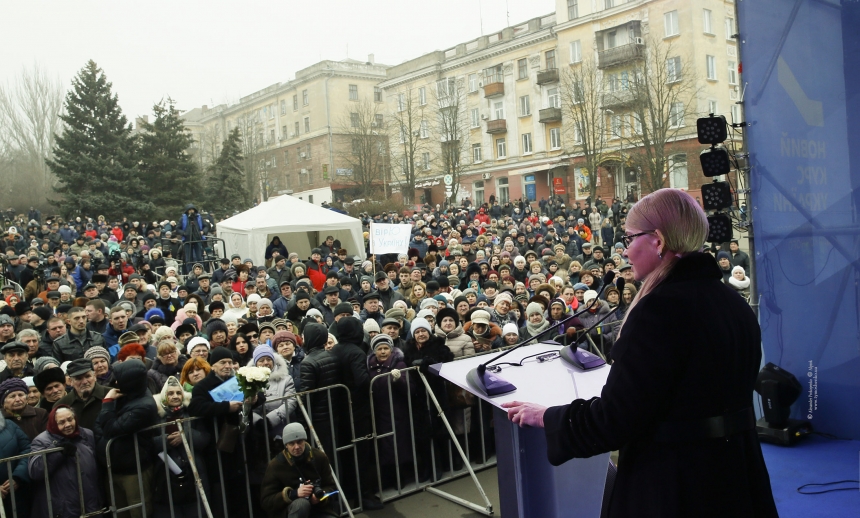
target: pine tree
<point>225,185</point>
<point>169,173</point>
<point>94,158</point>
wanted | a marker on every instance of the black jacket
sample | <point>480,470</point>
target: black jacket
<point>320,369</point>
<point>427,421</point>
<point>689,350</point>
<point>121,418</point>
<point>352,363</point>
<point>72,347</point>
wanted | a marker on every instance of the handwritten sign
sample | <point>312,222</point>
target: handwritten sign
<point>389,239</point>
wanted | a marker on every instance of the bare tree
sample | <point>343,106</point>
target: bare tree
<point>453,131</point>
<point>409,137</point>
<point>251,130</point>
<point>582,95</point>
<point>29,120</point>
<point>366,147</point>
<point>662,91</point>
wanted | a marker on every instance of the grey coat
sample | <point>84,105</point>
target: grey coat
<point>281,384</point>
<point>65,499</point>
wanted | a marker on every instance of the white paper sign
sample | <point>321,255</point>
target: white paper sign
<point>389,239</point>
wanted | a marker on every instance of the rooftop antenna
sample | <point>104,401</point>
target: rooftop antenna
<point>508,13</point>
<point>481,17</point>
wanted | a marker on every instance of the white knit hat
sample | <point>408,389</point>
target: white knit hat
<point>510,328</point>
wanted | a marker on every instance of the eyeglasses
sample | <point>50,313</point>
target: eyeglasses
<point>627,238</point>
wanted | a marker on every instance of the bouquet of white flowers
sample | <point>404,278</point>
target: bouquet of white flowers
<point>252,381</point>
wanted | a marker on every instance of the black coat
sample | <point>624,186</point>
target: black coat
<point>427,421</point>
<point>689,350</point>
<point>352,363</point>
<point>320,369</point>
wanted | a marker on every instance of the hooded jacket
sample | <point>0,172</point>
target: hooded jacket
<point>280,384</point>
<point>352,363</point>
<point>320,369</point>
<point>457,341</point>
<point>65,500</point>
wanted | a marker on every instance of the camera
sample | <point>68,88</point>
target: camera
<point>319,492</point>
<point>115,256</point>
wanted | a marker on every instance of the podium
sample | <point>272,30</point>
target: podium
<point>529,486</point>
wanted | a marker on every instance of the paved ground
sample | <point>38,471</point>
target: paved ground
<point>428,505</point>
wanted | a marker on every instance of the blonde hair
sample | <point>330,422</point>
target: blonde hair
<point>683,226</point>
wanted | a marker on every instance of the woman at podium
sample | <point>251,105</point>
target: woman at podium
<point>678,401</point>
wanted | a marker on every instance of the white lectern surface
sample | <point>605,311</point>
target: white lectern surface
<point>549,383</point>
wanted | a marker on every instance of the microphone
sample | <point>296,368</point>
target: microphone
<point>581,358</point>
<point>491,384</point>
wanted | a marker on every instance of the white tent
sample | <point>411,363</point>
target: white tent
<point>300,225</point>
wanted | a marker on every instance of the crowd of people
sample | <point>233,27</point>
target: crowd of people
<point>111,332</point>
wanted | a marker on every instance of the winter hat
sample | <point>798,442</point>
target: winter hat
<point>395,313</point>
<point>264,302</point>
<point>39,364</point>
<point>480,317</point>
<point>533,308</point>
<point>723,255</point>
<point>154,312</point>
<point>263,350</point>
<point>342,308</point>
<point>427,303</point>
<point>314,312</point>
<point>172,382</point>
<point>371,326</point>
<point>197,340</point>
<point>97,352</point>
<point>65,289</point>
<point>29,381</point>
<point>504,296</point>
<point>281,337</point>
<point>381,339</point>
<point>12,385</point>
<point>294,432</point>
<point>43,312</point>
<point>420,323</point>
<point>424,313</point>
<point>510,329</point>
<point>590,294</point>
<point>219,353</point>
<point>739,269</point>
<point>580,286</point>
<point>254,298</point>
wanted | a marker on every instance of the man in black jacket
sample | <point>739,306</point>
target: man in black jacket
<point>320,369</point>
<point>126,410</point>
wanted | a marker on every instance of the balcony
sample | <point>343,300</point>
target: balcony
<point>494,86</point>
<point>620,55</point>
<point>547,76</point>
<point>618,99</point>
<point>497,126</point>
<point>549,115</point>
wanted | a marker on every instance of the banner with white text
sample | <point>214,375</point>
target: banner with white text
<point>386,238</point>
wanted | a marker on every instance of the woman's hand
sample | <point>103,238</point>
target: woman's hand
<point>525,414</point>
<point>174,439</point>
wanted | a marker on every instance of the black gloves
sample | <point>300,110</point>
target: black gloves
<point>69,449</point>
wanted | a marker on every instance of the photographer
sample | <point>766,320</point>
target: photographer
<point>32,278</point>
<point>297,479</point>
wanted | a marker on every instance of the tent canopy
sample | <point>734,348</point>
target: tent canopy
<point>300,225</point>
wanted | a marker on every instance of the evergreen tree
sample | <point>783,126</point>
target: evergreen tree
<point>225,185</point>
<point>169,172</point>
<point>94,158</point>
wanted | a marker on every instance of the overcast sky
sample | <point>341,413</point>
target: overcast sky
<point>213,51</point>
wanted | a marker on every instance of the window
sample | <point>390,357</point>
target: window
<point>670,24</point>
<point>307,124</point>
<point>499,110</point>
<point>377,94</point>
<point>271,135</point>
<point>555,138</point>
<point>288,181</point>
<point>271,112</point>
<point>678,178</point>
<point>295,102</point>
<point>296,134</point>
<point>478,192</point>
<point>529,187</point>
<point>575,51</point>
<point>402,134</point>
<point>422,96</point>
<point>637,124</point>
<point>609,4</point>
<point>353,92</point>
<point>310,196</point>
<point>377,120</point>
<point>425,161</point>
<point>733,73</point>
<point>401,102</point>
<point>578,92</point>
<point>353,120</point>
<point>283,131</point>
<point>446,87</point>
<point>423,131</point>
<point>476,118</point>
<point>286,157</point>
<point>308,151</point>
<point>525,108</point>
<point>304,97</point>
<point>552,98</point>
<point>476,154</point>
<point>577,133</point>
<point>730,28</point>
<point>572,9</point>
<point>501,148</point>
<point>706,22</point>
<point>712,107</point>
<point>473,82</point>
<point>615,126</point>
<point>274,162</point>
<point>550,59</point>
<point>283,107</point>
<point>611,40</point>
<point>502,192</point>
<point>612,79</point>
<point>527,143</point>
<point>522,68</point>
<point>310,180</point>
<point>736,113</point>
<point>711,63</point>
<point>676,115</point>
<point>673,69</point>
<point>493,75</point>
<point>625,80</point>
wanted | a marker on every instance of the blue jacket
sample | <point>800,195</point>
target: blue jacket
<point>81,278</point>
<point>13,441</point>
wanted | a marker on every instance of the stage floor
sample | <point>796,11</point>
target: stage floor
<point>815,460</point>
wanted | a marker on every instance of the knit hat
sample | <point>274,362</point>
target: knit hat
<point>97,352</point>
<point>420,323</point>
<point>129,337</point>
<point>371,326</point>
<point>12,385</point>
<point>314,312</point>
<point>590,294</point>
<point>580,286</point>
<point>29,381</point>
<point>424,313</point>
<point>219,353</point>
<point>264,302</point>
<point>254,298</point>
<point>263,350</point>
<point>381,339</point>
<point>39,364</point>
<point>281,337</point>
<point>504,296</point>
<point>395,313</point>
<point>43,312</point>
<point>194,342</point>
<point>342,308</point>
<point>723,255</point>
<point>533,308</point>
<point>739,268</point>
<point>294,432</point>
<point>510,328</point>
<point>453,280</point>
<point>459,299</point>
<point>427,303</point>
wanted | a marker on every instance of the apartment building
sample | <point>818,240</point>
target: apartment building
<point>293,132</point>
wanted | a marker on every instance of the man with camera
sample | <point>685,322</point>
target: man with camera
<point>297,479</point>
